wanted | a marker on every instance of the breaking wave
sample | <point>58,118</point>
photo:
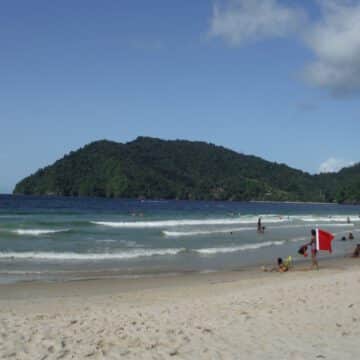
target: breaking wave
<point>205,232</point>
<point>171,223</point>
<point>223,250</point>
<point>330,218</point>
<point>68,256</point>
<point>37,232</point>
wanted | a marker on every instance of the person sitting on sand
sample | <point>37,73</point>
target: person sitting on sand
<point>282,266</point>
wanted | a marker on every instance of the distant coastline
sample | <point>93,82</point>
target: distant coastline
<point>156,199</point>
<point>160,199</point>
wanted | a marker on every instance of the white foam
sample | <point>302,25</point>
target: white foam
<point>68,256</point>
<point>301,238</point>
<point>205,232</point>
<point>329,218</point>
<point>336,225</point>
<point>197,222</point>
<point>37,232</point>
<point>223,250</point>
<point>229,230</point>
<point>323,219</point>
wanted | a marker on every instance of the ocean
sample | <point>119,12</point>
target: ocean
<point>60,239</point>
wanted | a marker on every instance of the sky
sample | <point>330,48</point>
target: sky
<point>274,78</point>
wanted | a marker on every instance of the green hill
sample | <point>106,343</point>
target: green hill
<point>343,186</point>
<point>159,169</point>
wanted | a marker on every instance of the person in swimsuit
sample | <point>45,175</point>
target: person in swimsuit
<point>259,227</point>
<point>312,245</point>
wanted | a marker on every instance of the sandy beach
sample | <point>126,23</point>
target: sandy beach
<point>228,315</point>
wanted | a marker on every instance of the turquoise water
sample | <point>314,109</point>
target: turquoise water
<point>66,238</point>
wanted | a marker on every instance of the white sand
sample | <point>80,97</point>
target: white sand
<point>238,315</point>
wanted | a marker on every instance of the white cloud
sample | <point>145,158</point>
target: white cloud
<point>335,42</point>
<point>333,37</point>
<point>238,21</point>
<point>334,164</point>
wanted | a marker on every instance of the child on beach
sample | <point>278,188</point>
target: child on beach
<point>282,266</point>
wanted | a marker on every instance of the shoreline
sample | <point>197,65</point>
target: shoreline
<point>65,276</point>
<point>123,282</point>
<point>227,315</point>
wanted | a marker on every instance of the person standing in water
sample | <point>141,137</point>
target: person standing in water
<point>259,227</point>
<point>312,245</point>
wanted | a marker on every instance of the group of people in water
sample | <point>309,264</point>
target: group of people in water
<point>350,237</point>
<point>356,252</point>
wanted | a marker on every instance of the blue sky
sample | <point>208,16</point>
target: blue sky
<point>258,76</point>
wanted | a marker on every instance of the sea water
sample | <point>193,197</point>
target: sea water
<point>57,238</point>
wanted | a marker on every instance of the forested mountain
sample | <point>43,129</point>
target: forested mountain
<point>343,186</point>
<point>158,169</point>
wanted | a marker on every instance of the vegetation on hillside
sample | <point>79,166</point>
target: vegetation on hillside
<point>158,169</point>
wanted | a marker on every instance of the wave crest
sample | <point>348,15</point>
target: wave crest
<point>223,250</point>
<point>205,232</point>
<point>69,256</point>
<point>188,222</point>
<point>37,232</point>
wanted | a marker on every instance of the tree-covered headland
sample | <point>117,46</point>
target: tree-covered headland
<point>152,168</point>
